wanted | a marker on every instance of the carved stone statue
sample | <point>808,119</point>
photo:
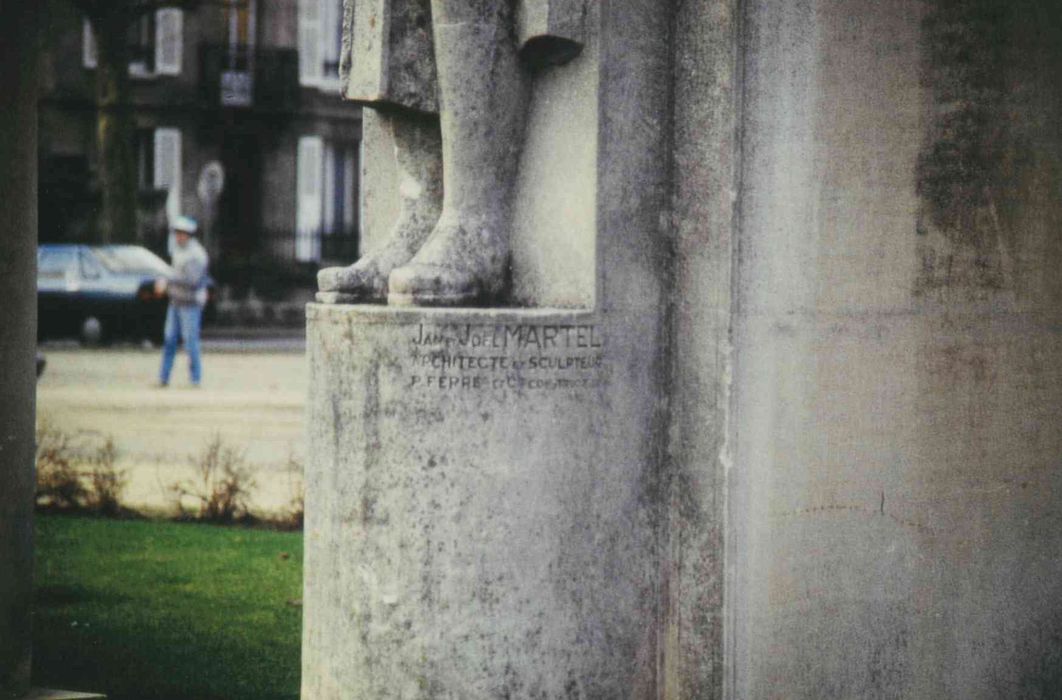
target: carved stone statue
<point>453,78</point>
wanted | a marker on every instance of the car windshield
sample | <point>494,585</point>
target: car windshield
<point>131,258</point>
<point>54,262</point>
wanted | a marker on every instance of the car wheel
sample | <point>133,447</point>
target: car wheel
<point>91,331</point>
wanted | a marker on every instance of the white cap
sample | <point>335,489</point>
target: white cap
<point>186,224</point>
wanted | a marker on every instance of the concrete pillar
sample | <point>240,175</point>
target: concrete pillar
<point>896,496</point>
<point>704,171</point>
<point>18,325</point>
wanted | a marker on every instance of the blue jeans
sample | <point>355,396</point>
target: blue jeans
<point>182,322</point>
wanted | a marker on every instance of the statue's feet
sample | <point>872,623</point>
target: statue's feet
<point>366,280</point>
<point>435,285</point>
<point>454,268</point>
<point>361,282</point>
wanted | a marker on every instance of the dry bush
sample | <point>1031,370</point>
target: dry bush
<point>293,518</point>
<point>222,485</point>
<point>73,477</point>
<point>58,480</point>
<point>106,481</point>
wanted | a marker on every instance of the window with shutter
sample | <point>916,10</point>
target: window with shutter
<point>328,202</point>
<point>309,174</point>
<point>339,216</point>
<point>331,40</point>
<point>167,168</point>
<point>88,46</point>
<point>169,30</point>
<point>310,19</point>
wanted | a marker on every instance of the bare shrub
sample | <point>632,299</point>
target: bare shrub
<point>58,480</point>
<point>72,477</point>
<point>293,518</point>
<point>106,482</point>
<point>222,485</point>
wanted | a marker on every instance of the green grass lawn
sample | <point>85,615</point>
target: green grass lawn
<point>156,610</point>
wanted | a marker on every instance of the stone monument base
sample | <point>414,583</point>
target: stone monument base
<point>479,508</point>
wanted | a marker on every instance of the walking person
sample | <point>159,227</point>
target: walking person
<point>187,291</point>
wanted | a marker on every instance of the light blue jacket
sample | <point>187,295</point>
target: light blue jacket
<point>189,274</point>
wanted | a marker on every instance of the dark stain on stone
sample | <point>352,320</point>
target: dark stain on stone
<point>987,66</point>
<point>1029,658</point>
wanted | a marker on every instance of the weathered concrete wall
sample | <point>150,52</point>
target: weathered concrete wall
<point>704,173</point>
<point>476,529</point>
<point>555,219</point>
<point>895,492</point>
<point>379,180</point>
<point>18,321</point>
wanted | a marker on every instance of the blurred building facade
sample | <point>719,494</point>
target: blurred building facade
<point>250,85</point>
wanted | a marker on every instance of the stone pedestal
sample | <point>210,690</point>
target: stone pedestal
<point>485,486</point>
<point>480,505</point>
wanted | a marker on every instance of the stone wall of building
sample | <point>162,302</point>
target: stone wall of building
<point>827,268</point>
<point>895,501</point>
<point>704,171</point>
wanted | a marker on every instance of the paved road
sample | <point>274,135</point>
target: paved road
<point>253,396</point>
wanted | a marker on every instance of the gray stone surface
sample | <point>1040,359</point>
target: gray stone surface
<point>380,200</point>
<point>554,230</point>
<point>554,236</point>
<point>897,375</point>
<point>552,31</point>
<point>831,326</point>
<point>388,60</point>
<point>400,57</point>
<point>18,321</point>
<point>704,175</point>
<point>477,526</point>
<point>480,530</point>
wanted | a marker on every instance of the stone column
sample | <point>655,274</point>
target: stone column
<point>896,491</point>
<point>18,323</point>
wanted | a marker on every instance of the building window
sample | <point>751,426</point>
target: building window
<point>327,207</point>
<point>241,16</point>
<point>141,43</point>
<point>320,42</point>
<point>164,161</point>
<point>145,159</point>
<point>158,160</point>
<point>237,76</point>
<point>88,45</point>
<point>155,44</point>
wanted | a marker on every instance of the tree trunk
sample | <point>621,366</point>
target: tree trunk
<point>115,135</point>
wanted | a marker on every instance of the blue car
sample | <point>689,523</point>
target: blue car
<point>101,293</point>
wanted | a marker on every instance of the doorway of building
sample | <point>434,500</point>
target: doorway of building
<point>239,211</point>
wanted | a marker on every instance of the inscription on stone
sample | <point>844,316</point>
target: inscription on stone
<point>516,357</point>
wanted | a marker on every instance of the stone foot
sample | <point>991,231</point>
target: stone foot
<point>418,156</point>
<point>361,282</point>
<point>458,266</point>
<point>365,282</point>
